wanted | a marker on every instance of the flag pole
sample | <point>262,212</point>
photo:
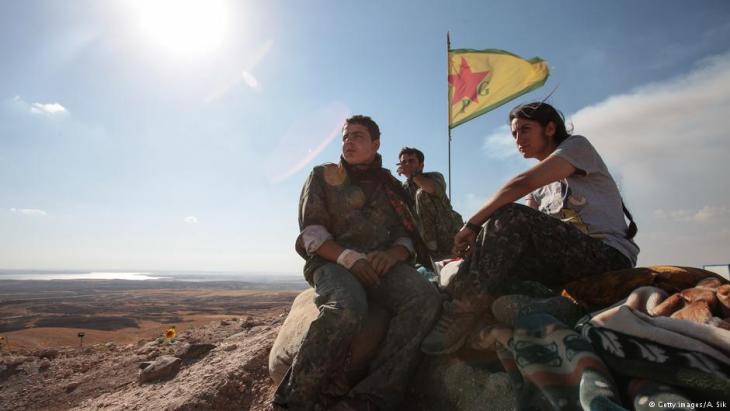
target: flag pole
<point>448,102</point>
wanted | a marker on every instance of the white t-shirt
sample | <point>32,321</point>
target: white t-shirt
<point>589,198</point>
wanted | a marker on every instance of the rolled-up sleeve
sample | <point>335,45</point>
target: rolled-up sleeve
<point>405,242</point>
<point>313,237</point>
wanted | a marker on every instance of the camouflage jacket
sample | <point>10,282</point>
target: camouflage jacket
<point>438,221</point>
<point>412,188</point>
<point>357,207</point>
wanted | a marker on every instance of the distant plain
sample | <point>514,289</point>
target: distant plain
<point>42,313</point>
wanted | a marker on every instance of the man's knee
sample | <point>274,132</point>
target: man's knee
<point>510,214</point>
<point>417,292</point>
<point>350,313</point>
<point>340,298</point>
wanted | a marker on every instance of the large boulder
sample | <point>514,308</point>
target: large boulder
<point>464,381</point>
<point>302,313</point>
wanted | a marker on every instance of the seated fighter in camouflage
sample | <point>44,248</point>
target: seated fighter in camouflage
<point>572,227</point>
<point>438,223</point>
<point>357,235</point>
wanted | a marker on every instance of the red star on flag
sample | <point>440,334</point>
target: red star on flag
<point>465,83</point>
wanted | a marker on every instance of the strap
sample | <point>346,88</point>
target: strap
<point>401,203</point>
<point>633,228</point>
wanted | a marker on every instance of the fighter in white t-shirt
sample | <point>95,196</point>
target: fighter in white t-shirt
<point>572,227</point>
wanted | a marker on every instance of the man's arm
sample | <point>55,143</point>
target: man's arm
<point>316,239</point>
<point>547,171</point>
<point>426,183</point>
<point>358,264</point>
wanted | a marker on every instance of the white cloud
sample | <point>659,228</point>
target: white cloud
<point>499,144</point>
<point>47,108</point>
<point>669,143</point>
<point>191,219</point>
<point>33,212</point>
<point>705,215</point>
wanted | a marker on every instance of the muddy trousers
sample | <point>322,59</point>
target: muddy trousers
<point>343,305</point>
<point>518,247</point>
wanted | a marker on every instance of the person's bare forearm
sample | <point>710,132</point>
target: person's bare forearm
<point>510,192</point>
<point>547,171</point>
<point>330,250</point>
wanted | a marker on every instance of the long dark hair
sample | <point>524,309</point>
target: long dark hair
<point>543,113</point>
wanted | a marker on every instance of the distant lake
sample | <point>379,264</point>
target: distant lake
<point>8,275</point>
<point>195,276</point>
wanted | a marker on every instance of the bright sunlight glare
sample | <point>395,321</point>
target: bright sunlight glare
<point>183,26</point>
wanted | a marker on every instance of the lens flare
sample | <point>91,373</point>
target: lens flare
<point>304,140</point>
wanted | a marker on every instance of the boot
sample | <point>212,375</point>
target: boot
<point>450,332</point>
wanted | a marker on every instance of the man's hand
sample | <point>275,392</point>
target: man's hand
<point>382,261</point>
<point>405,170</point>
<point>365,273</point>
<point>464,242</point>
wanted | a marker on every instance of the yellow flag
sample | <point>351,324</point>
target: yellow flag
<point>482,80</point>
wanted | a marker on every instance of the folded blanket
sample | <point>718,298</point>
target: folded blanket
<point>602,290</point>
<point>554,368</point>
<point>631,317</point>
<point>701,376</point>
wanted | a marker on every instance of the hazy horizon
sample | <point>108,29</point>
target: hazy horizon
<point>141,275</point>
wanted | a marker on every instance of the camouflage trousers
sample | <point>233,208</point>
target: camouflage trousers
<point>519,249</point>
<point>438,223</point>
<point>343,305</point>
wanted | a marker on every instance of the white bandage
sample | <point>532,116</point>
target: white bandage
<point>348,258</point>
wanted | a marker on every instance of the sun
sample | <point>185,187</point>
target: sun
<point>183,26</point>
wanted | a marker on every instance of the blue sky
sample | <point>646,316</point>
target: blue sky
<point>149,136</point>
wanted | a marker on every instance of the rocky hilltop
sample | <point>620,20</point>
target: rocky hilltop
<point>222,365</point>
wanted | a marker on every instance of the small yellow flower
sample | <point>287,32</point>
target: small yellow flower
<point>170,333</point>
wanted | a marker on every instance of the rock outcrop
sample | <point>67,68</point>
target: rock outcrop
<point>162,368</point>
<point>217,367</point>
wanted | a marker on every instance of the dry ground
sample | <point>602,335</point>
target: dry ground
<point>119,319</point>
<point>53,314</point>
